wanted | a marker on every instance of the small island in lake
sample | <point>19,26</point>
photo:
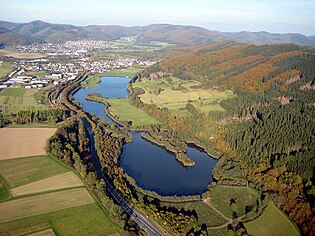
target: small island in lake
<point>184,159</point>
<point>171,142</point>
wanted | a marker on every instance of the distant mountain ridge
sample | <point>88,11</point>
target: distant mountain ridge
<point>40,31</point>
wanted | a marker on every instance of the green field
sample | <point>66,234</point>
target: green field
<point>41,95</point>
<point>136,115</point>
<point>13,100</point>
<point>14,92</point>
<point>66,212</point>
<point>5,68</point>
<point>4,193</point>
<point>81,220</point>
<point>175,94</point>
<point>206,215</point>
<point>272,222</point>
<point>221,195</point>
<point>21,171</point>
<point>129,72</point>
<point>43,203</point>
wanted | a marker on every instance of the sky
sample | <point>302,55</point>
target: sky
<point>276,16</point>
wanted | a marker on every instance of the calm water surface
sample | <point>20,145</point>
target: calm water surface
<point>153,167</point>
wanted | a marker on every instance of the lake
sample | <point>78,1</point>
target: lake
<point>153,167</point>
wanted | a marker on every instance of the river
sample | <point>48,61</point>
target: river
<point>152,166</point>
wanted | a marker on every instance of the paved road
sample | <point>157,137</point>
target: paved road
<point>142,221</point>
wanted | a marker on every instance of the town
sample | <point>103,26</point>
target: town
<point>69,48</point>
<point>62,63</point>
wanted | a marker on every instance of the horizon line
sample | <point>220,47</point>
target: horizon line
<point>157,23</point>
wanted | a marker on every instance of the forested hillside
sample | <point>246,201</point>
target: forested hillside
<point>40,31</point>
<point>266,133</point>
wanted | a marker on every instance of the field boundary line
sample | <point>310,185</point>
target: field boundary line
<point>50,196</point>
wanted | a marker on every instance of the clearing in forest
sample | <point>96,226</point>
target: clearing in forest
<point>272,222</point>
<point>175,94</point>
<point>233,201</point>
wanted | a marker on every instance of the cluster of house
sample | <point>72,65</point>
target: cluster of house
<point>17,77</point>
<point>129,38</point>
<point>103,66</point>
<point>69,48</point>
<point>59,69</point>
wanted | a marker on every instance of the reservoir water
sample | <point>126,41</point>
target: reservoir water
<point>152,166</point>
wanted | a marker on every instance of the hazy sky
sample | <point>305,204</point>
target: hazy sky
<point>294,16</point>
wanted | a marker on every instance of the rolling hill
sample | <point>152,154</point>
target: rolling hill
<point>39,31</point>
<point>233,66</point>
<point>8,37</point>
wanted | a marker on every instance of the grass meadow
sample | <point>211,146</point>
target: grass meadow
<point>221,195</point>
<point>272,222</point>
<point>175,94</point>
<point>81,220</point>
